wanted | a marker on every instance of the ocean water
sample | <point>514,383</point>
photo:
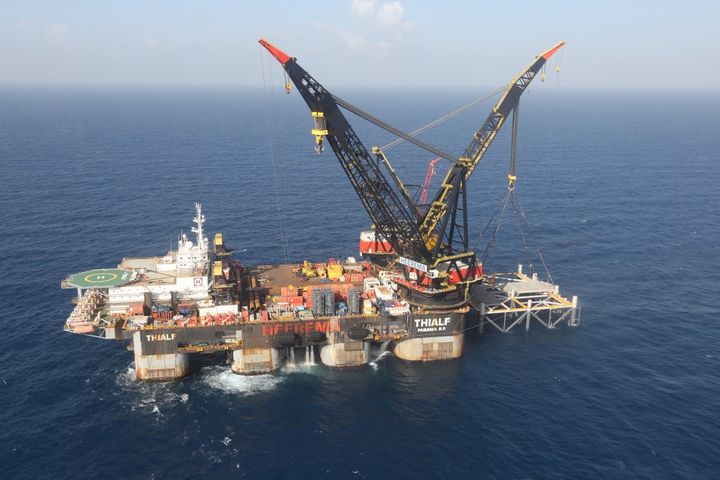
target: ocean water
<point>621,190</point>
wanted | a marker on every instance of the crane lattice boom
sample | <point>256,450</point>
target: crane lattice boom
<point>433,247</point>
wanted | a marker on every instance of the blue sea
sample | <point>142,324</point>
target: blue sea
<point>621,189</point>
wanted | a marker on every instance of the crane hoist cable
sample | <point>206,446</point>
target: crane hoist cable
<point>557,67</point>
<point>270,116</point>
<point>496,220</point>
<point>445,117</point>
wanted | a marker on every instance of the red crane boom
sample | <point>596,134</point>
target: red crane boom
<point>428,180</point>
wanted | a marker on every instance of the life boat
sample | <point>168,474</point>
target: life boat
<point>83,329</point>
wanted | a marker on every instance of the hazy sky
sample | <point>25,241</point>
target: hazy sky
<point>611,44</point>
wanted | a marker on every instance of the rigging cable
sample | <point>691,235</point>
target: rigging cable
<point>444,118</point>
<point>501,209</point>
<point>523,226</point>
<point>523,217</point>
<point>516,210</point>
<point>270,117</point>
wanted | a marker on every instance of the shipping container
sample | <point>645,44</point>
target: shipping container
<point>136,309</point>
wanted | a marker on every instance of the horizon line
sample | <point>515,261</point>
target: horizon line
<point>353,86</point>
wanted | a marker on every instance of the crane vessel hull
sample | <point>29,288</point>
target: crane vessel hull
<point>199,300</point>
<point>411,290</point>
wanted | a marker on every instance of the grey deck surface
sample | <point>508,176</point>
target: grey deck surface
<point>500,292</point>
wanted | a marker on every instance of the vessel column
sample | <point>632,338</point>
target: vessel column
<point>252,361</point>
<point>434,336</point>
<point>428,349</point>
<point>346,349</point>
<point>158,359</point>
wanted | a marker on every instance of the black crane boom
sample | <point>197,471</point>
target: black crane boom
<point>390,208</point>
<point>386,126</point>
<point>434,247</point>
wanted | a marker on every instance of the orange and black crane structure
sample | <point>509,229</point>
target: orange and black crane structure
<point>432,247</point>
<point>385,199</point>
<point>438,225</point>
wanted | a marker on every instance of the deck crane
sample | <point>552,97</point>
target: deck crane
<point>431,247</point>
<point>439,226</point>
<point>374,247</point>
<point>428,179</point>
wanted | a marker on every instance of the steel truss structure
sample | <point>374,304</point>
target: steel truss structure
<point>510,300</point>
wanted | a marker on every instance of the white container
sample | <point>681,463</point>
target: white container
<point>369,283</point>
<point>383,292</point>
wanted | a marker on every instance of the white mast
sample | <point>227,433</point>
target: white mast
<point>191,257</point>
<point>202,241</point>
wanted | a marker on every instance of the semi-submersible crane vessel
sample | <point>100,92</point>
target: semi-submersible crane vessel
<point>412,289</point>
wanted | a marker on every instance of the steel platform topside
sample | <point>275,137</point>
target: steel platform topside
<point>506,300</point>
